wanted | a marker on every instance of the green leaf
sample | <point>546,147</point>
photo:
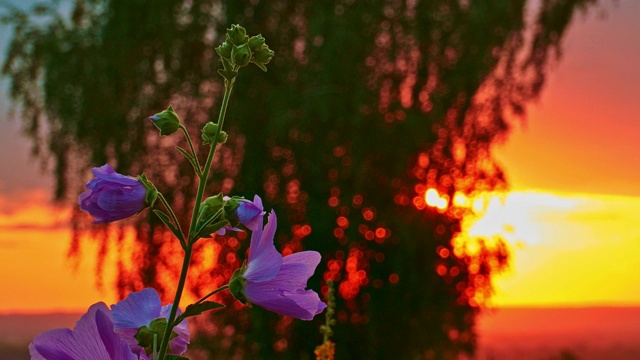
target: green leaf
<point>261,66</point>
<point>191,159</point>
<point>228,74</point>
<point>199,308</point>
<point>206,230</point>
<point>175,357</point>
<point>165,219</point>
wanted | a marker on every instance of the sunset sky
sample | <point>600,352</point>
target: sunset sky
<point>571,219</point>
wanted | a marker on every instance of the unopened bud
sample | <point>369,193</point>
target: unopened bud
<point>237,35</point>
<point>209,132</point>
<point>241,55</point>
<point>224,50</point>
<point>167,121</point>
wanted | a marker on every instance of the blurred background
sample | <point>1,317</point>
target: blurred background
<point>466,169</point>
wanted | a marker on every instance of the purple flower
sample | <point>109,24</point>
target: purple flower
<point>249,214</point>
<point>92,338</point>
<point>139,310</point>
<point>278,283</point>
<point>111,196</point>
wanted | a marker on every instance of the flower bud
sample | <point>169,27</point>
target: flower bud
<point>209,132</point>
<point>238,210</point>
<point>237,35</point>
<point>241,55</point>
<point>111,196</point>
<point>256,42</point>
<point>167,121</point>
<point>222,137</point>
<point>224,50</point>
<point>263,56</point>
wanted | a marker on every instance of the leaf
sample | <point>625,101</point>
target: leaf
<point>261,66</point>
<point>199,308</point>
<point>202,225</point>
<point>191,159</point>
<point>206,231</point>
<point>165,219</point>
<point>175,357</point>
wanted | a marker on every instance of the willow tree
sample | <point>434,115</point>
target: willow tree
<point>366,107</point>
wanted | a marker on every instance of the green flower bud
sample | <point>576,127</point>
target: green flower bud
<point>224,50</point>
<point>209,132</point>
<point>167,121</point>
<point>222,137</point>
<point>211,205</point>
<point>241,55</point>
<point>256,42</point>
<point>237,35</point>
<point>263,56</point>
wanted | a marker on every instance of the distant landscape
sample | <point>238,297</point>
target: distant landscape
<point>505,334</point>
<point>560,334</point>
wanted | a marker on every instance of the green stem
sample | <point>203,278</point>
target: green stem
<point>221,288</point>
<point>207,167</point>
<point>180,236</point>
<point>194,221</point>
<point>174,309</point>
<point>193,150</point>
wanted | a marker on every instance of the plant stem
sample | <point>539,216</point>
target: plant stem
<point>174,309</point>
<point>180,236</point>
<point>194,221</point>
<point>193,150</point>
<point>223,287</point>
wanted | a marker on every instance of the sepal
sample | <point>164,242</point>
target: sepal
<point>237,35</point>
<point>152,193</point>
<point>156,328</point>
<point>236,284</point>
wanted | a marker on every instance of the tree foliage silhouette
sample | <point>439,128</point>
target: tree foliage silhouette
<point>366,106</point>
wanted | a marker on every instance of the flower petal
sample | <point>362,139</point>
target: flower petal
<point>106,172</point>
<point>310,259</point>
<point>115,346</point>
<point>285,294</point>
<point>92,338</point>
<point>137,310</point>
<point>251,213</point>
<point>122,199</point>
<point>264,260</point>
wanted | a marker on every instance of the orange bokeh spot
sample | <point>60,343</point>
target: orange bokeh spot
<point>368,214</point>
<point>380,232</point>
<point>394,278</point>
<point>333,201</point>
<point>343,222</point>
<point>357,200</point>
<point>443,252</point>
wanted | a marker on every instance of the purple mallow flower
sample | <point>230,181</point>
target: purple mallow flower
<point>278,283</point>
<point>139,310</point>
<point>111,196</point>
<point>92,338</point>
<point>249,214</point>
